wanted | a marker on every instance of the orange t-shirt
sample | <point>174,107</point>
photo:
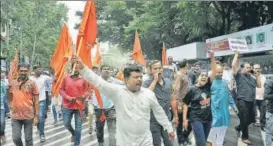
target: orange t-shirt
<point>23,100</point>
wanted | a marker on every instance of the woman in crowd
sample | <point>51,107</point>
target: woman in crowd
<point>197,105</point>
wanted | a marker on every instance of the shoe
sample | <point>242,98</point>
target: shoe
<point>72,139</point>
<point>246,141</point>
<point>42,138</point>
<point>100,144</point>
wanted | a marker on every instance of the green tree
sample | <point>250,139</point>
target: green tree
<point>175,23</point>
<point>40,23</point>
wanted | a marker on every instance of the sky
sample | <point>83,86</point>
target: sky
<point>74,6</point>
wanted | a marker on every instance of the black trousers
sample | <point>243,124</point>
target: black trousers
<point>111,125</point>
<point>48,102</point>
<point>261,106</point>
<point>182,134</point>
<point>246,115</point>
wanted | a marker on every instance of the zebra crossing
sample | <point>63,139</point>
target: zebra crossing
<point>57,135</point>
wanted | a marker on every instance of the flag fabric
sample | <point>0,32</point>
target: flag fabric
<point>63,48</point>
<point>120,75</point>
<point>137,51</point>
<point>164,55</point>
<point>87,33</point>
<point>13,71</point>
<point>98,59</point>
<point>87,37</point>
<point>63,52</point>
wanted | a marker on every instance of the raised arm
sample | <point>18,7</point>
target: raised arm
<point>213,67</point>
<point>108,89</point>
<point>235,63</point>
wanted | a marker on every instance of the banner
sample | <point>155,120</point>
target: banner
<point>238,45</point>
<point>258,39</point>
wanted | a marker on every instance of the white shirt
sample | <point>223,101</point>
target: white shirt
<point>260,91</point>
<point>41,84</point>
<point>132,111</point>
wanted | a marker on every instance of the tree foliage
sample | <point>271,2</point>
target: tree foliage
<point>175,23</point>
<point>40,23</point>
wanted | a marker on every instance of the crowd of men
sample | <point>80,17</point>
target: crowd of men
<point>144,105</point>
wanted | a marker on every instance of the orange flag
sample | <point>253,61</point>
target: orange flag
<point>164,55</point>
<point>120,75</point>
<point>63,49</point>
<point>98,59</point>
<point>60,57</point>
<point>13,71</point>
<point>87,33</point>
<point>137,52</point>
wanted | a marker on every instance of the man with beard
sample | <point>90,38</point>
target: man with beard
<point>181,84</point>
<point>24,95</point>
<point>220,100</point>
<point>132,103</point>
<point>74,90</point>
<point>246,92</point>
<point>40,81</point>
<point>162,87</point>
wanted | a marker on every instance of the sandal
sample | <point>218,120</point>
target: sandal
<point>246,141</point>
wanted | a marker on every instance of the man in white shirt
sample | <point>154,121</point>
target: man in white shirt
<point>40,81</point>
<point>260,102</point>
<point>133,105</point>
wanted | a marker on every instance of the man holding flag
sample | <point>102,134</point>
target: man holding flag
<point>74,91</point>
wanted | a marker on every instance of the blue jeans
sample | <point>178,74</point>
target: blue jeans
<point>7,109</point>
<point>201,132</point>
<point>54,112</point>
<point>67,116</point>
<point>2,122</point>
<point>269,128</point>
<point>41,124</point>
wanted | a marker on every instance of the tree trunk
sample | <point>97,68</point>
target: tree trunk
<point>33,50</point>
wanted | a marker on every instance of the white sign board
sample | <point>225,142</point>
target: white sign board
<point>238,45</point>
<point>258,39</point>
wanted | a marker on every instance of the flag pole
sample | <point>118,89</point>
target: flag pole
<point>78,51</point>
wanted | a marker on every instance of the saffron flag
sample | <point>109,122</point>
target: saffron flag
<point>137,51</point>
<point>87,33</point>
<point>13,71</point>
<point>60,57</point>
<point>164,55</point>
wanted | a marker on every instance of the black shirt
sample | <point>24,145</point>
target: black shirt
<point>268,95</point>
<point>198,112</point>
<point>246,86</point>
<point>162,93</point>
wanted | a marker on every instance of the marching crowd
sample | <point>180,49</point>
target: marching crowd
<point>142,106</point>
